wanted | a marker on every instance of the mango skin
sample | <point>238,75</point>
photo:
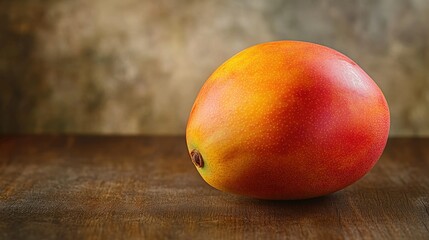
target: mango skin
<point>287,120</point>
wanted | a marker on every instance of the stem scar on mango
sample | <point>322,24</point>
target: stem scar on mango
<point>197,159</point>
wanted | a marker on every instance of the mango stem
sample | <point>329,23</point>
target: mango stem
<point>197,159</point>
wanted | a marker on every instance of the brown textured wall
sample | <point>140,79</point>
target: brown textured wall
<point>133,66</point>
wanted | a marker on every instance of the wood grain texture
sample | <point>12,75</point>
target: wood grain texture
<point>117,187</point>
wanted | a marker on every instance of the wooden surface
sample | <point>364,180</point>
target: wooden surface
<point>66,187</point>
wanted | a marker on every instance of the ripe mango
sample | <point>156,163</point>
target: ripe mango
<point>287,120</point>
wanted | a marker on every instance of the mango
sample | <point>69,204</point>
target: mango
<point>287,120</point>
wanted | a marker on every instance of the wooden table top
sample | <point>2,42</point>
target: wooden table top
<point>141,187</point>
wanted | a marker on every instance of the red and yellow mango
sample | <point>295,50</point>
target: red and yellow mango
<point>287,120</point>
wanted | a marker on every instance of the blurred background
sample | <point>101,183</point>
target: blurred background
<point>136,66</point>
